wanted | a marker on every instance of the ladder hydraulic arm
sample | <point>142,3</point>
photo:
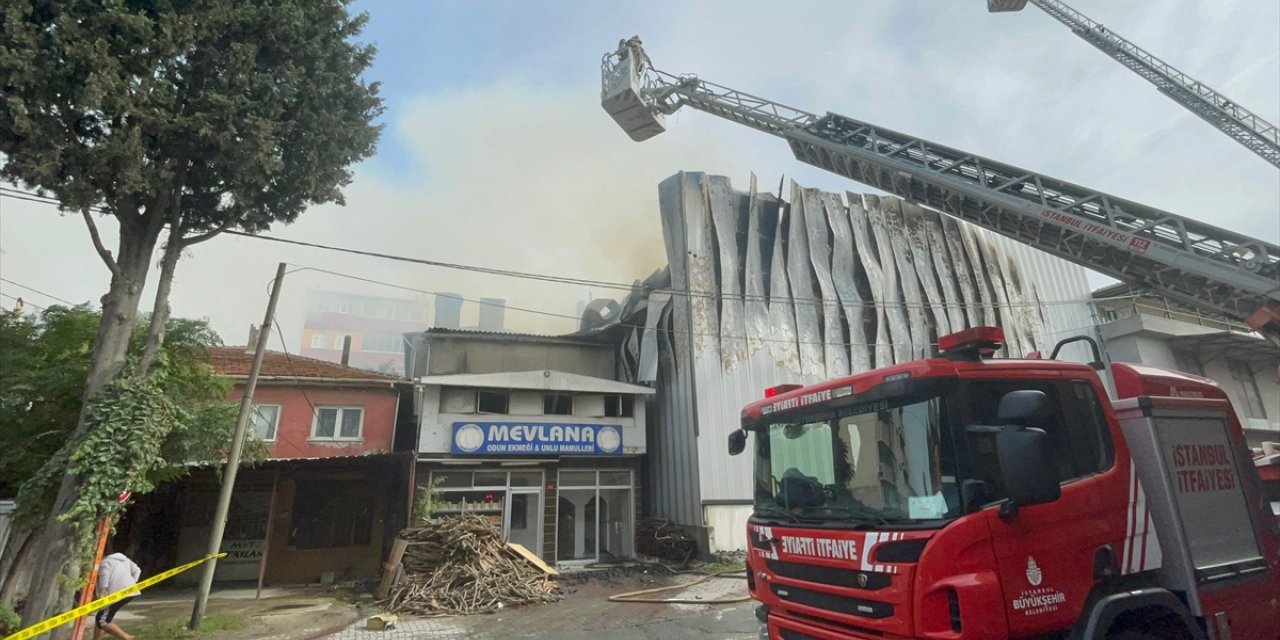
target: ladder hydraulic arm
<point>1198,264</point>
<point>1256,134</point>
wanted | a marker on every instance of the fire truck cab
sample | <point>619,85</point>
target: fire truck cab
<point>965,496</point>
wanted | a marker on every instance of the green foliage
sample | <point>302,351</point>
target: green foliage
<point>10,621</point>
<point>41,387</point>
<point>238,112</point>
<point>129,421</point>
<point>142,432</point>
<point>427,501</point>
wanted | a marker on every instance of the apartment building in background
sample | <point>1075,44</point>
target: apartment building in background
<point>376,325</point>
<point>1144,328</point>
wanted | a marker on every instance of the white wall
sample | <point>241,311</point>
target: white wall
<point>728,524</point>
<point>435,434</point>
<point>1155,350</point>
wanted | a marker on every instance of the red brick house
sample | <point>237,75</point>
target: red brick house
<point>327,501</point>
<point>308,408</point>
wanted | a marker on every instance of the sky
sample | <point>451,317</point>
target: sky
<point>496,152</point>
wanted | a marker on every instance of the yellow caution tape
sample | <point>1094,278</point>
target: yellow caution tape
<point>63,618</point>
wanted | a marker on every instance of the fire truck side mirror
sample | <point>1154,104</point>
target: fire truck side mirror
<point>1026,408</point>
<point>737,442</point>
<point>1027,468</point>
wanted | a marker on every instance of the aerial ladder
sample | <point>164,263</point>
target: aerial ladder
<point>1201,265</point>
<point>1243,126</point>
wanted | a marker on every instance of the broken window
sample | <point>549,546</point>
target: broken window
<point>554,404</point>
<point>619,406</point>
<point>492,401</point>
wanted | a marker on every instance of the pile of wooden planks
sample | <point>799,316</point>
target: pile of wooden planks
<point>460,565</point>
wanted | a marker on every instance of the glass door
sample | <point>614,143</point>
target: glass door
<point>594,516</point>
<point>524,519</point>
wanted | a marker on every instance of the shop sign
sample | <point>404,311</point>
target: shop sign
<point>525,438</point>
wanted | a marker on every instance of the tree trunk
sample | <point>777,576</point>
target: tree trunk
<point>160,311</point>
<point>48,594</point>
<point>15,561</point>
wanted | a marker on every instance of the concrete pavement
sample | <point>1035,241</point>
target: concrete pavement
<point>586,614</point>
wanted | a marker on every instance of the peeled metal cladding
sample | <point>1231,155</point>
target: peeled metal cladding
<point>762,291</point>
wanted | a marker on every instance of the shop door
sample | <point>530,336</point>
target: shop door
<point>524,519</point>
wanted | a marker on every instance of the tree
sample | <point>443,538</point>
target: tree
<point>40,401</point>
<point>201,116</point>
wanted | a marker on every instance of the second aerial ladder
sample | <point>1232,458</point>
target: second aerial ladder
<point>1207,267</point>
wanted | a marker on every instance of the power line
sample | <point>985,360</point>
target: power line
<point>433,293</point>
<point>35,290</point>
<point>995,305</point>
<point>24,302</point>
<point>604,284</point>
<point>447,265</point>
<point>32,196</point>
<point>719,336</point>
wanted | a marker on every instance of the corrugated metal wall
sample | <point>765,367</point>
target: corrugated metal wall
<point>765,292</point>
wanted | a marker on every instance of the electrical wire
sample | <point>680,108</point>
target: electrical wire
<point>24,302</point>
<point>37,291</point>
<point>673,330</point>
<point>605,284</point>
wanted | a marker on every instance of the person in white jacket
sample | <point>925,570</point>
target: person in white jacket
<point>116,573</point>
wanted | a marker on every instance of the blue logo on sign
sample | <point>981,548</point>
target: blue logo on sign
<point>522,438</point>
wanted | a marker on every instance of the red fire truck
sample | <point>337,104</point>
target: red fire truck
<point>966,496</point>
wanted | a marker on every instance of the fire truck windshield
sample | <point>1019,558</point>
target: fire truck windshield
<point>884,463</point>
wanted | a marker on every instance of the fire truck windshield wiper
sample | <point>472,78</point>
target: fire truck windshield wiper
<point>859,514</point>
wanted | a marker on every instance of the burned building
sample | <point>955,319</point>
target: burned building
<point>762,290</point>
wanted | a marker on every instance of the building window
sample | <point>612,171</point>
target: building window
<point>1188,362</point>
<point>383,344</point>
<point>319,340</point>
<point>344,307</point>
<point>264,420</point>
<point>338,423</point>
<point>404,312</point>
<point>619,406</point>
<point>330,514</point>
<point>370,309</point>
<point>555,404</point>
<point>492,401</point>
<point>1247,385</point>
<point>512,500</point>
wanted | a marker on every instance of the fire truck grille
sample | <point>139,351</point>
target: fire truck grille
<point>829,575</point>
<point>832,602</point>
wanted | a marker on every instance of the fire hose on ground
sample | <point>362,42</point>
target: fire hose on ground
<point>638,596</point>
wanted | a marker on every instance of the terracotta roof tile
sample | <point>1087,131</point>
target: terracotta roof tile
<point>235,362</point>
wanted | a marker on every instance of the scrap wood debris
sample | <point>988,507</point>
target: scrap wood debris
<point>459,566</point>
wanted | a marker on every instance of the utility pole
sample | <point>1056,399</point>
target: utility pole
<point>237,446</point>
